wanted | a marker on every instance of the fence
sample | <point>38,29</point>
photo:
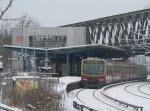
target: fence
<point>82,107</point>
<point>7,108</point>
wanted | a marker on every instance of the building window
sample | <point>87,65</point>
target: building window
<point>48,41</point>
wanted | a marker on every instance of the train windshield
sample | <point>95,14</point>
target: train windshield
<point>93,67</point>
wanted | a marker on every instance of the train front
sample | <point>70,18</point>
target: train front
<point>93,73</point>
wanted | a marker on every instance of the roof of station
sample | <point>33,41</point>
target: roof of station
<point>94,50</point>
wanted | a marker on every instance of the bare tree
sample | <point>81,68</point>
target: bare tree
<point>5,35</point>
<point>3,11</point>
<point>28,21</point>
<point>5,38</point>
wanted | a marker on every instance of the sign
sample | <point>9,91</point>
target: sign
<point>22,85</point>
<point>13,58</point>
<point>19,38</point>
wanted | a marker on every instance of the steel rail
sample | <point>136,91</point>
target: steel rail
<point>105,102</point>
<point>142,91</point>
<point>125,88</point>
<point>121,102</point>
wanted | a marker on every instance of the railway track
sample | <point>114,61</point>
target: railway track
<point>105,102</point>
<point>139,89</point>
<point>90,97</point>
<point>126,87</point>
<point>77,95</point>
<point>100,101</point>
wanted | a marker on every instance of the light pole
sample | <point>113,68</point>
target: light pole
<point>46,56</point>
<point>34,45</point>
<point>25,50</point>
<point>34,54</point>
<point>22,23</point>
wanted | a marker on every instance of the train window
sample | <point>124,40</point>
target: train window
<point>118,68</point>
<point>114,69</point>
<point>110,69</point>
<point>128,69</point>
<point>131,69</point>
<point>93,68</point>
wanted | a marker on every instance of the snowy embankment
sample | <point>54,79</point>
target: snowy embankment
<point>65,81</point>
<point>62,88</point>
<point>69,79</point>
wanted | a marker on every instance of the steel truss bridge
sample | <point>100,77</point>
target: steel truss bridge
<point>129,30</point>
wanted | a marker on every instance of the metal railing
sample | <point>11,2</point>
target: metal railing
<point>82,107</point>
<point>50,76</point>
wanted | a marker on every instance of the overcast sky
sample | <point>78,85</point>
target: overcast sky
<point>52,13</point>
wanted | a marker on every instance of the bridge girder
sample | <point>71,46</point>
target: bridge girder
<point>129,29</point>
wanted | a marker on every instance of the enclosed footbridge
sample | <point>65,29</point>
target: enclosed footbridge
<point>129,30</point>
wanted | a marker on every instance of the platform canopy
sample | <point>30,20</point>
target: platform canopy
<point>91,50</point>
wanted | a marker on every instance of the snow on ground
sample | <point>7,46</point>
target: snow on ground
<point>129,93</point>
<point>69,79</point>
<point>69,100</point>
<point>95,100</point>
<point>118,92</point>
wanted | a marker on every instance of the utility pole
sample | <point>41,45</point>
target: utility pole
<point>22,23</point>
<point>46,57</point>
<point>34,55</point>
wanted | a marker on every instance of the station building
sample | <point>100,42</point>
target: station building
<point>69,46</point>
<point>45,37</point>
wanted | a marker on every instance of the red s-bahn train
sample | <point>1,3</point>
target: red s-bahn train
<point>97,72</point>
